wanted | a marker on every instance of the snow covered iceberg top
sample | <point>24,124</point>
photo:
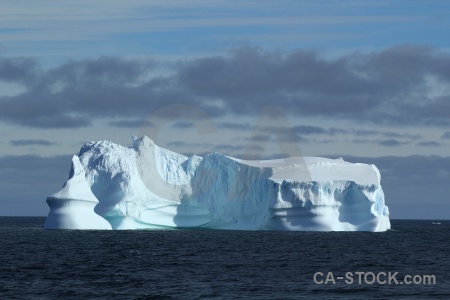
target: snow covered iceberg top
<point>146,186</point>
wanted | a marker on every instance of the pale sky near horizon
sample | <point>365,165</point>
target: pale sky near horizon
<point>367,80</point>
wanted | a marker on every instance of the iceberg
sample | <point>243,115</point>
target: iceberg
<point>148,187</point>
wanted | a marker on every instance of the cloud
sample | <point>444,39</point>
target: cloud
<point>60,121</point>
<point>232,149</point>
<point>75,93</point>
<point>429,144</point>
<point>30,143</point>
<point>401,85</point>
<point>235,126</point>
<point>132,123</point>
<point>388,134</point>
<point>377,87</point>
<point>18,69</point>
<point>304,129</point>
<point>298,133</point>
<point>188,144</point>
<point>392,143</point>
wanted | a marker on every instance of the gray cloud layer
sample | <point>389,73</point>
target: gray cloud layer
<point>394,86</point>
<point>30,143</point>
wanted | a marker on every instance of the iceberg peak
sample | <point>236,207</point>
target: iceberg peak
<point>143,141</point>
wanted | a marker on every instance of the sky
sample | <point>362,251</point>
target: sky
<point>368,81</point>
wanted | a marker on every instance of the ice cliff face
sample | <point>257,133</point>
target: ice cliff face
<point>72,207</point>
<point>147,186</point>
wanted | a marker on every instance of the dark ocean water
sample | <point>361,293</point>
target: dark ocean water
<point>191,264</point>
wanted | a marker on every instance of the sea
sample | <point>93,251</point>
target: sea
<point>203,264</point>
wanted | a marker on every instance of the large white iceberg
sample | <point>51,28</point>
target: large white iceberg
<point>146,186</point>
